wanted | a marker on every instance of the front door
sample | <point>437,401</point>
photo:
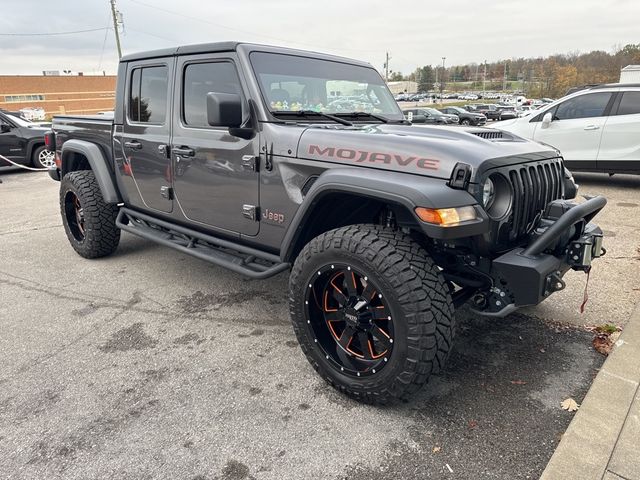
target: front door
<point>11,144</point>
<point>147,130</point>
<point>214,178</point>
<point>576,128</point>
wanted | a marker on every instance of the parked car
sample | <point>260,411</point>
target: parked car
<point>22,142</point>
<point>430,115</point>
<point>384,226</point>
<point>488,110</point>
<point>465,117</point>
<point>507,112</point>
<point>596,129</point>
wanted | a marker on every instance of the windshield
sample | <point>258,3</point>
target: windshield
<point>458,109</point>
<point>19,121</point>
<point>433,111</point>
<point>290,83</point>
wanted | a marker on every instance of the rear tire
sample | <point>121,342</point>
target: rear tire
<point>403,279</point>
<point>42,158</point>
<point>89,222</point>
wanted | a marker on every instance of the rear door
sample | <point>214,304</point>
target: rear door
<point>577,127</point>
<point>620,145</point>
<point>147,130</point>
<point>215,179</point>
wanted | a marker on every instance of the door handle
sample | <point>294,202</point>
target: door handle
<point>184,151</point>
<point>134,145</point>
<point>592,127</point>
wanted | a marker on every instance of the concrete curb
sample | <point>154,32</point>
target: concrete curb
<point>602,439</point>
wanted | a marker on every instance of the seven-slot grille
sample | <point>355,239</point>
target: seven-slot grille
<point>534,186</point>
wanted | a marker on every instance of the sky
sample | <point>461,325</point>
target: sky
<point>414,32</point>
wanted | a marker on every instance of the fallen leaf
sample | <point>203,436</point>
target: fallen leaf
<point>436,449</point>
<point>542,350</point>
<point>472,424</point>
<point>449,468</point>
<point>570,405</point>
<point>518,382</point>
<point>602,343</point>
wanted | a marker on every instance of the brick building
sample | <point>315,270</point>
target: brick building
<point>78,94</point>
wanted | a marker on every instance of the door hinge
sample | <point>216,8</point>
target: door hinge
<point>250,162</point>
<point>250,212</point>
<point>166,192</point>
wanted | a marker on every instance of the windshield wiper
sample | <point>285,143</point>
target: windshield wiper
<point>370,115</point>
<point>302,113</point>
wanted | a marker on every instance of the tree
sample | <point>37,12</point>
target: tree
<point>396,77</point>
<point>425,77</point>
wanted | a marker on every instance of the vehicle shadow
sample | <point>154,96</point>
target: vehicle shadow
<point>616,181</point>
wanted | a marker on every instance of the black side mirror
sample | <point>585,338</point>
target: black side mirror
<point>4,128</point>
<point>224,110</point>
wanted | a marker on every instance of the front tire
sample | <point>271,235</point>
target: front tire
<point>89,222</point>
<point>465,122</point>
<point>371,311</point>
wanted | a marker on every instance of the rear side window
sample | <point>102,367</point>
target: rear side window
<point>584,106</point>
<point>200,79</point>
<point>629,104</point>
<point>148,95</point>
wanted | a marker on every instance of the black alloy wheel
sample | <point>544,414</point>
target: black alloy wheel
<point>349,319</point>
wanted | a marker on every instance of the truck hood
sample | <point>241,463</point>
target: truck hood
<point>417,149</point>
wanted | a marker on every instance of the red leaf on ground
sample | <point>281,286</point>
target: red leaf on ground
<point>472,424</point>
<point>518,382</point>
<point>602,343</point>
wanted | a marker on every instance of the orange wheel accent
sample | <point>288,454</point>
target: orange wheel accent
<point>333,331</point>
<point>373,355</point>
<point>351,351</point>
<point>326,308</point>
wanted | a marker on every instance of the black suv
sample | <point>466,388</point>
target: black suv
<point>22,142</point>
<point>429,116</point>
<point>466,117</point>
<point>264,160</point>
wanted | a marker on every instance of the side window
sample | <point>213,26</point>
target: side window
<point>148,95</point>
<point>200,79</point>
<point>584,106</point>
<point>629,104</point>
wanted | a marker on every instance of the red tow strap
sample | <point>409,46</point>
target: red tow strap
<point>586,293</point>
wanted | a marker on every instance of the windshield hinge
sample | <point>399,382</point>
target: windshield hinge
<point>250,212</point>
<point>250,162</point>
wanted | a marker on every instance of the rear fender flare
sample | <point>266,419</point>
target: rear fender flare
<point>98,164</point>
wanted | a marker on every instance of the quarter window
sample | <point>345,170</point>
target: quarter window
<point>629,104</point>
<point>199,80</point>
<point>584,106</point>
<point>148,95</point>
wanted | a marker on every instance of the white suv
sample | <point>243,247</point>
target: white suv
<point>596,129</point>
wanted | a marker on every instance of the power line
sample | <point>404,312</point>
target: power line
<point>50,34</point>
<point>280,39</point>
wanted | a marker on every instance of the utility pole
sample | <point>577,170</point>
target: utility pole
<point>504,78</point>
<point>386,67</point>
<point>114,14</point>
<point>442,81</point>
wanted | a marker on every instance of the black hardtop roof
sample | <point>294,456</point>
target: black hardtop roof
<point>218,47</point>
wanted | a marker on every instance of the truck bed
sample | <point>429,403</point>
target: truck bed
<point>93,128</point>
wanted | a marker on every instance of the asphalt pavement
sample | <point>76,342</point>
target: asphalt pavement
<point>153,364</point>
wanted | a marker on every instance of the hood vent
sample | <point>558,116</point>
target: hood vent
<point>489,134</point>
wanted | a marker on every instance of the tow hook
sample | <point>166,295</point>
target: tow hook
<point>553,283</point>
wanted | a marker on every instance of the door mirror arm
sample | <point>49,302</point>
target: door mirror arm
<point>249,129</point>
<point>4,128</point>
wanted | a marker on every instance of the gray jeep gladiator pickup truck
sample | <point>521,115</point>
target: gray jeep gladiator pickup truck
<point>264,160</point>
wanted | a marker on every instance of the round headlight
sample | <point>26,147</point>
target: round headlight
<point>488,193</point>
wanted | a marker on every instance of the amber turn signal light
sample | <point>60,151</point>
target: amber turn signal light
<point>446,217</point>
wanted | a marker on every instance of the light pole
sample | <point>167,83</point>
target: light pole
<point>484,79</point>
<point>115,14</point>
<point>442,81</point>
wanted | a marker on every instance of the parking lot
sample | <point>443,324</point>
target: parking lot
<point>153,364</point>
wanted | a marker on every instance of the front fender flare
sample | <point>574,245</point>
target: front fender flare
<point>98,164</point>
<point>409,191</point>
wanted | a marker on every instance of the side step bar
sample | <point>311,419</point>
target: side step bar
<point>238,258</point>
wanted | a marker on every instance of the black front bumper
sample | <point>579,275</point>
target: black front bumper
<point>564,240</point>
